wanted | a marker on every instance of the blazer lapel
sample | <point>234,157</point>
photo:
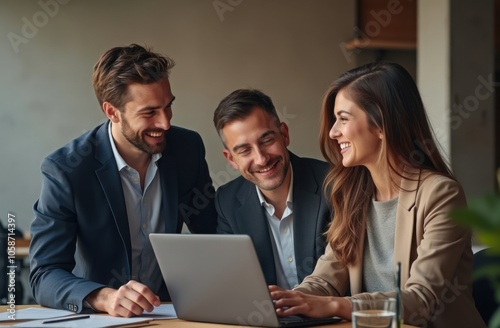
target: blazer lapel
<point>306,204</point>
<point>253,221</point>
<point>110,181</point>
<point>403,239</point>
<point>405,223</point>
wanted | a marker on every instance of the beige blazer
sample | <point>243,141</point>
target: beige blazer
<point>435,255</point>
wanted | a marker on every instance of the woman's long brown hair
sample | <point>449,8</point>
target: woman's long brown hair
<point>392,102</point>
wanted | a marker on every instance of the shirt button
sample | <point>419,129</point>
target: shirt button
<point>144,226</point>
<point>290,259</point>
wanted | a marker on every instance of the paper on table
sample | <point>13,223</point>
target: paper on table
<point>164,311</point>
<point>34,313</point>
<point>37,315</point>
<point>95,321</point>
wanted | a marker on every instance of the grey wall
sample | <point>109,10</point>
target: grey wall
<point>455,71</point>
<point>290,49</point>
<point>472,95</point>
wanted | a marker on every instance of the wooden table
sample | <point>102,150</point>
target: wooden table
<point>177,323</point>
<point>22,247</point>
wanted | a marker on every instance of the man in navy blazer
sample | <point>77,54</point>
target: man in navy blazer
<point>104,192</point>
<point>278,200</point>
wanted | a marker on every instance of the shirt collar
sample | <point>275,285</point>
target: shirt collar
<point>120,162</point>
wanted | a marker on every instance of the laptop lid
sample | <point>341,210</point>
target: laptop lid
<point>215,278</point>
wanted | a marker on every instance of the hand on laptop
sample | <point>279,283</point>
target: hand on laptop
<point>290,302</point>
<point>129,300</point>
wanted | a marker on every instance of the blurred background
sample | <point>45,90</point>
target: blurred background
<point>290,49</point>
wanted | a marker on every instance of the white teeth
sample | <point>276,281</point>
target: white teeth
<point>266,169</point>
<point>344,145</point>
<point>155,134</point>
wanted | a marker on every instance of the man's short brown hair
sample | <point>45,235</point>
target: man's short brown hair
<point>119,67</point>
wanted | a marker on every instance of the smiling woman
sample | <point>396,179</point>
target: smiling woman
<point>392,195</point>
<point>359,143</point>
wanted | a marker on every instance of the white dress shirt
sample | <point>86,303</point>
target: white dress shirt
<point>143,212</point>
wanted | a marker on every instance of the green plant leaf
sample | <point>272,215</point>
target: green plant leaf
<point>490,239</point>
<point>470,218</point>
<point>495,319</point>
<point>487,271</point>
<point>482,215</point>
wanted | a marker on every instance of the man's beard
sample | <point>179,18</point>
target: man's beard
<point>138,141</point>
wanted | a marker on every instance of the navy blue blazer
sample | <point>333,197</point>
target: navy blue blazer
<point>240,212</point>
<point>80,233</point>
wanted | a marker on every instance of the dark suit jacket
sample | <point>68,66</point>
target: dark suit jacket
<point>80,234</point>
<point>239,212</point>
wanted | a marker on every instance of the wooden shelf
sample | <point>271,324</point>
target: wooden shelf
<point>380,44</point>
<point>385,25</point>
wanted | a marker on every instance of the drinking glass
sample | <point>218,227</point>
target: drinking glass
<point>374,313</point>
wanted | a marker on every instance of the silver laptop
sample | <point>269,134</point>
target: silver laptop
<point>218,278</point>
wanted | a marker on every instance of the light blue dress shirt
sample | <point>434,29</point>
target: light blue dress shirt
<point>143,212</point>
<point>283,246</point>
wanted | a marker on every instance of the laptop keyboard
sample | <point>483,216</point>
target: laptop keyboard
<point>306,321</point>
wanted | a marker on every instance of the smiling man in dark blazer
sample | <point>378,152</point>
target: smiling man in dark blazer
<point>278,199</point>
<point>106,191</point>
